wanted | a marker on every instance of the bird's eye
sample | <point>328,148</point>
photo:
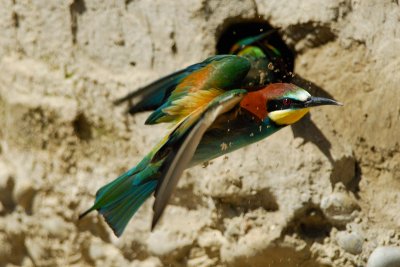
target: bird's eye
<point>286,102</point>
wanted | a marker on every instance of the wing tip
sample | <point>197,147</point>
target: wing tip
<point>158,209</point>
<point>153,223</point>
<point>125,98</point>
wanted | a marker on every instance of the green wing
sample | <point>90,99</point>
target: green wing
<point>153,95</point>
<point>200,87</point>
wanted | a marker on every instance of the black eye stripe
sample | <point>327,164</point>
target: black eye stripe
<point>284,103</point>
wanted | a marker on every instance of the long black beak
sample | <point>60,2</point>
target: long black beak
<point>320,101</point>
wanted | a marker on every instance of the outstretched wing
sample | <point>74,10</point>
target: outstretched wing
<point>155,94</point>
<point>200,87</point>
<point>184,141</point>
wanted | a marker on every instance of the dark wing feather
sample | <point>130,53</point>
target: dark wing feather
<point>179,162</point>
<point>155,94</point>
<point>150,96</point>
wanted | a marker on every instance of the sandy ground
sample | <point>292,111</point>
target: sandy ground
<point>325,192</point>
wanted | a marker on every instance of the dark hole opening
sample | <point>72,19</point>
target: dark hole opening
<point>234,32</point>
<point>82,127</point>
<point>310,224</point>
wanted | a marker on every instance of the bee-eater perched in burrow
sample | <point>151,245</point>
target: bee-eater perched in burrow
<point>212,115</point>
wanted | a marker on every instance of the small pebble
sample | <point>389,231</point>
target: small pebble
<point>385,257</point>
<point>339,207</point>
<point>350,242</point>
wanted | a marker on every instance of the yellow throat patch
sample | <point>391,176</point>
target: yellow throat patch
<point>287,116</point>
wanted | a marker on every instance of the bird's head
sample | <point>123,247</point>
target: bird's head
<point>256,46</point>
<point>282,103</point>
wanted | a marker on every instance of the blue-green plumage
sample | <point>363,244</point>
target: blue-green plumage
<point>231,131</point>
<point>119,211</point>
<point>219,105</point>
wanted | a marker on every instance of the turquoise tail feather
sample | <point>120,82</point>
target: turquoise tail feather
<point>118,213</point>
<point>119,200</point>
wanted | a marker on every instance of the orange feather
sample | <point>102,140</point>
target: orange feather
<point>196,81</point>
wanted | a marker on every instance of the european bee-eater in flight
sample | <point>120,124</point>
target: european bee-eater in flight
<point>215,110</point>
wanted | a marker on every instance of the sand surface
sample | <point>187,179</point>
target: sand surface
<point>325,192</point>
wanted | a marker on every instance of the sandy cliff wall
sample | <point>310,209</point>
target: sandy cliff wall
<point>325,192</point>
